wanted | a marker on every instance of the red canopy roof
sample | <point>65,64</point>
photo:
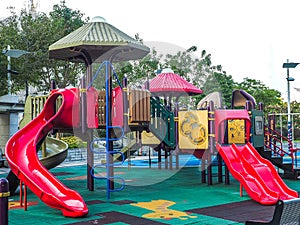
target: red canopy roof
<point>172,84</point>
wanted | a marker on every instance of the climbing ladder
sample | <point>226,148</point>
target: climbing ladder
<point>109,151</point>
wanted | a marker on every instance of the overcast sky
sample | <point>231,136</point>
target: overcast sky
<point>248,38</point>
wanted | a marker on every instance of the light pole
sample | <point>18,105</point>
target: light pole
<point>15,53</point>
<point>289,65</point>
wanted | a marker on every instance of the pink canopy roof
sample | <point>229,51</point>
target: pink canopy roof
<point>171,84</point>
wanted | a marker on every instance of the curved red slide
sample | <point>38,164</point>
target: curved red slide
<point>257,175</point>
<point>21,154</point>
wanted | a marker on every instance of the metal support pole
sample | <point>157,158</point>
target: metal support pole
<point>125,105</point>
<point>53,132</point>
<point>211,139</point>
<point>166,157</point>
<point>86,132</point>
<point>203,168</point>
<point>83,105</point>
<point>158,148</point>
<point>289,123</point>
<point>8,72</point>
<point>220,169</point>
<point>176,110</point>
<point>109,130</point>
<point>227,177</point>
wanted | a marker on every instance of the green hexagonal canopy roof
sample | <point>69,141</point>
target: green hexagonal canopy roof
<point>97,41</point>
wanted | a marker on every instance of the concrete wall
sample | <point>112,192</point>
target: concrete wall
<point>4,129</point>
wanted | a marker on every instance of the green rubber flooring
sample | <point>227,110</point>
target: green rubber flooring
<point>151,196</point>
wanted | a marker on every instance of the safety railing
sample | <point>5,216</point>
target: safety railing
<point>162,122</point>
<point>274,142</point>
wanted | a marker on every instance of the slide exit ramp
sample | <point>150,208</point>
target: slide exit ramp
<point>257,175</point>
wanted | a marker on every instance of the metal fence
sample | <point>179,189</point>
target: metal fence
<point>79,155</point>
<point>281,123</point>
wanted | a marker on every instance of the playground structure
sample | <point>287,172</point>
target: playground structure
<point>122,110</point>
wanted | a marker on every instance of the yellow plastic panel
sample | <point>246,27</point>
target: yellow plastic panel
<point>148,138</point>
<point>236,131</point>
<point>193,129</point>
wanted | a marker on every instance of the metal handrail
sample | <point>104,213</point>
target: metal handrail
<point>162,122</point>
<point>273,138</point>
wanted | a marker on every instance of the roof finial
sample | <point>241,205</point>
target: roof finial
<point>167,70</point>
<point>98,19</point>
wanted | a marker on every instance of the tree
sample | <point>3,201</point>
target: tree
<point>220,82</point>
<point>138,71</point>
<point>269,97</point>
<point>35,33</point>
<point>8,32</point>
<point>198,71</point>
<point>201,73</point>
<point>144,69</point>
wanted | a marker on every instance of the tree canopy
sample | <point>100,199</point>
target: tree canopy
<point>200,72</point>
<point>269,97</point>
<point>35,33</point>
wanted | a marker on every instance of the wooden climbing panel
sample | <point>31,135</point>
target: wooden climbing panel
<point>139,106</point>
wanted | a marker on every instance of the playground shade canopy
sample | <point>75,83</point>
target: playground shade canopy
<point>215,97</point>
<point>99,41</point>
<point>171,84</point>
<point>239,98</point>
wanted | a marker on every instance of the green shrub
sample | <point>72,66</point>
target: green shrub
<point>74,142</point>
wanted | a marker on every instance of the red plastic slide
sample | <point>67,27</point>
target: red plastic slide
<point>21,153</point>
<point>257,175</point>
